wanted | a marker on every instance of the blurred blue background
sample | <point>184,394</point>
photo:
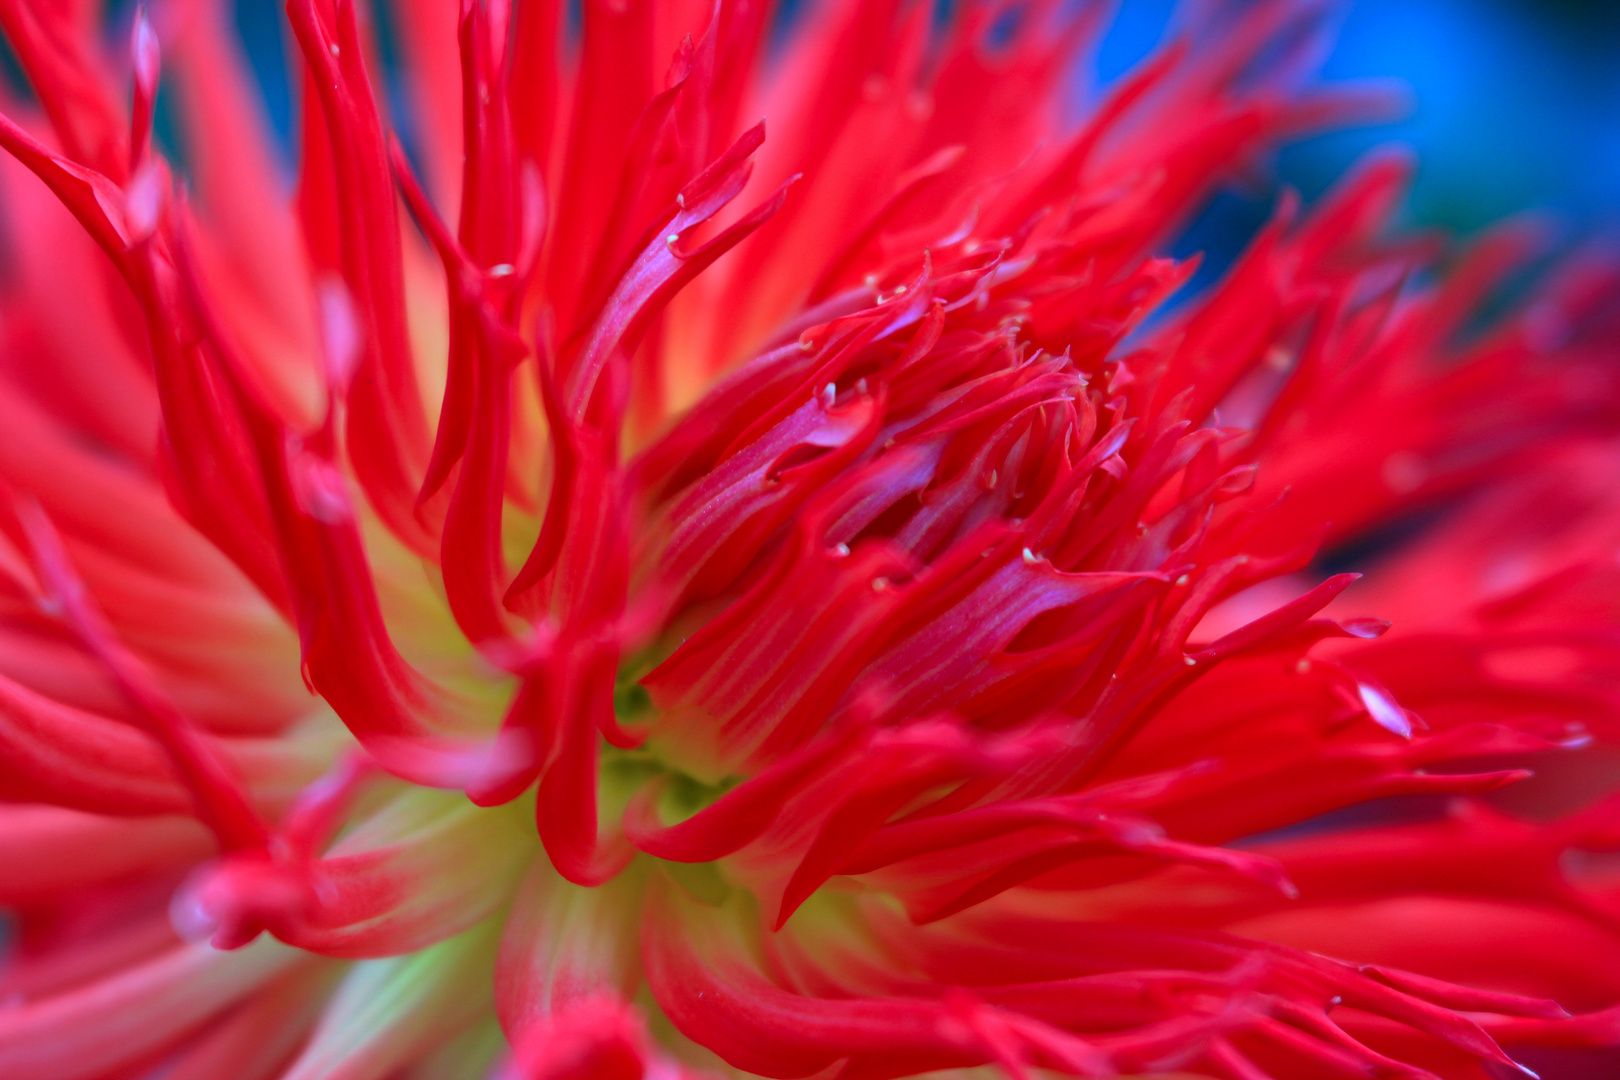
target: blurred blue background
<point>1515,106</point>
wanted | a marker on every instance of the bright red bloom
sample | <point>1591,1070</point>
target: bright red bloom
<point>864,633</point>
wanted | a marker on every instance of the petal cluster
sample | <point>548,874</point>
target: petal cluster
<point>595,585</point>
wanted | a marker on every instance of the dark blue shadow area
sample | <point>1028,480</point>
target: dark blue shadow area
<point>263,27</point>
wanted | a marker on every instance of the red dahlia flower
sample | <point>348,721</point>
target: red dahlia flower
<point>831,622</point>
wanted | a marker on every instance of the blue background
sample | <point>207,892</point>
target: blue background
<point>1514,106</point>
